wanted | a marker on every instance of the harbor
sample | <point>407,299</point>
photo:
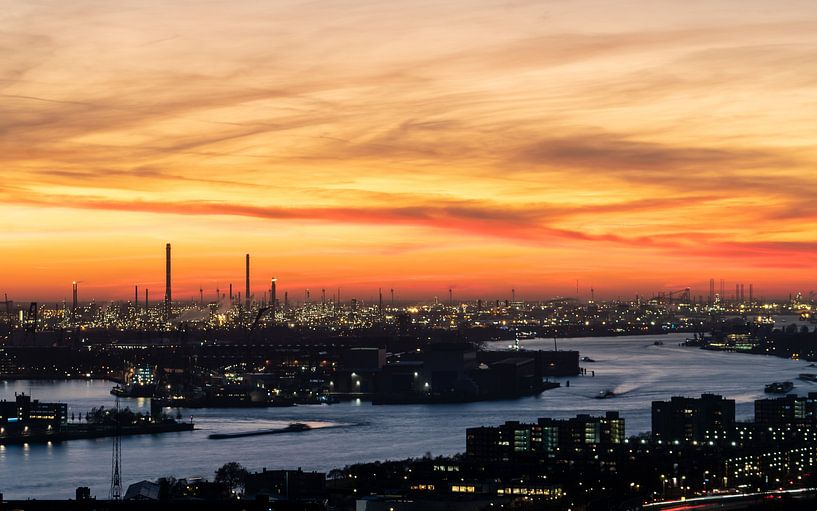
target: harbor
<point>634,368</point>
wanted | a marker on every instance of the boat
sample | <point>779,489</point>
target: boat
<point>134,390</point>
<point>296,427</point>
<point>779,387</point>
<point>658,343</point>
<point>808,377</point>
<point>587,359</point>
<point>604,394</point>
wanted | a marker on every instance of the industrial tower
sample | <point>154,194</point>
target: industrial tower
<point>116,461</point>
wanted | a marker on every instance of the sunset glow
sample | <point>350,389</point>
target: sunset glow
<point>414,145</point>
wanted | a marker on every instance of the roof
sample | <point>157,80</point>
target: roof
<point>143,490</point>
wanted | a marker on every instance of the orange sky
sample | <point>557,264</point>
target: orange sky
<point>636,146</point>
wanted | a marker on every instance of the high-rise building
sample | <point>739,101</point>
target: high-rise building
<point>685,419</point>
<point>547,438</point>
<point>787,409</point>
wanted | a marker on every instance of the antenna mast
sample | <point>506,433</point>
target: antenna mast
<point>116,462</point>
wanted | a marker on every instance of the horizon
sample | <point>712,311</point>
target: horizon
<point>569,290</point>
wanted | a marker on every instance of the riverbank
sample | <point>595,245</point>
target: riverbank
<point>84,432</point>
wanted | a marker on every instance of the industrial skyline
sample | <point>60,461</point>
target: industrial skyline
<point>696,295</point>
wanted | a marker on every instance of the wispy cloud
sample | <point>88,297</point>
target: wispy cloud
<point>551,132</point>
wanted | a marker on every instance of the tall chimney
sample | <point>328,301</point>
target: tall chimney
<point>273,297</point>
<point>74,303</point>
<point>147,300</point>
<point>247,294</point>
<point>136,300</point>
<point>168,294</point>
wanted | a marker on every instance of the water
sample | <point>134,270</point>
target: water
<point>633,367</point>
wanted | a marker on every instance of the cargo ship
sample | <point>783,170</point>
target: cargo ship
<point>296,427</point>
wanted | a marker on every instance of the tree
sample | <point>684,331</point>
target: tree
<point>168,487</point>
<point>232,475</point>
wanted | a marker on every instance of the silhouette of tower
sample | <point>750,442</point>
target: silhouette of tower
<point>168,293</point>
<point>74,304</point>
<point>116,461</point>
<point>273,298</point>
<point>247,283</point>
<point>711,291</point>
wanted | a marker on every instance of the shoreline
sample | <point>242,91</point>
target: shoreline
<point>96,432</point>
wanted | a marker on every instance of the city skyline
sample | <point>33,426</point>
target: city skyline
<point>419,146</point>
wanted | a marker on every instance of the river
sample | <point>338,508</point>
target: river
<point>636,369</point>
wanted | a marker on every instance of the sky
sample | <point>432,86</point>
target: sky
<point>634,146</point>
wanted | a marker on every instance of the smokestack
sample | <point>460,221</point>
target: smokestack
<point>247,294</point>
<point>74,303</point>
<point>751,293</point>
<point>136,299</point>
<point>168,293</point>
<point>380,299</point>
<point>323,297</point>
<point>286,298</point>
<point>231,294</point>
<point>147,301</point>
<point>711,291</point>
<point>272,297</point>
<point>392,297</point>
